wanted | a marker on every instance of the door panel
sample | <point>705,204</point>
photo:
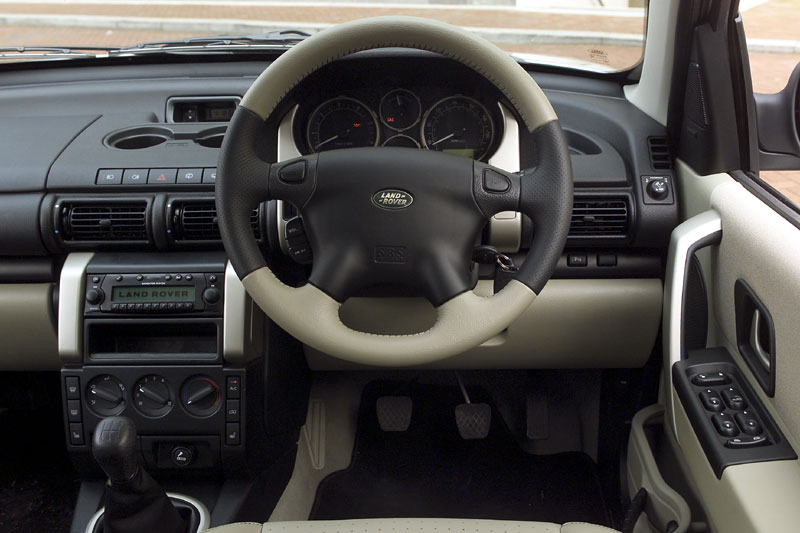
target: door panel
<point>762,248</point>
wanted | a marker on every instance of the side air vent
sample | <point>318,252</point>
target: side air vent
<point>196,220</point>
<point>599,218</point>
<point>102,221</point>
<point>660,157</point>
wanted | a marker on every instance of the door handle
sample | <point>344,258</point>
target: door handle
<point>755,340</point>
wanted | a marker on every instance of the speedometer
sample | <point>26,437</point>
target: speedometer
<point>341,123</point>
<point>458,125</point>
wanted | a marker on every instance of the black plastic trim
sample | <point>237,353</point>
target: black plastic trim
<point>720,457</point>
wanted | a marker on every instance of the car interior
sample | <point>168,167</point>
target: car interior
<point>391,278</point>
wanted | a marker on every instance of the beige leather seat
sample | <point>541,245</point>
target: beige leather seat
<point>411,525</point>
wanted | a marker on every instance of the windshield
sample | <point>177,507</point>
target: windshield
<point>599,35</point>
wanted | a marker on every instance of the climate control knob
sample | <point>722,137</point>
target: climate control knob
<point>152,396</point>
<point>105,395</point>
<point>201,396</point>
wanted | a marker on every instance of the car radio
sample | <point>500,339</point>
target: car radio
<point>199,293</point>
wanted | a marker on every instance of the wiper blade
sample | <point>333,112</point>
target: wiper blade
<point>53,52</point>
<point>280,39</point>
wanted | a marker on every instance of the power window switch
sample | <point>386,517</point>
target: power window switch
<point>76,434</point>
<point>747,442</point>
<point>711,401</point>
<point>725,425</point>
<point>74,410</point>
<point>708,379</point>
<point>73,387</point>
<point>734,399</point>
<point>748,423</point>
<point>232,435</point>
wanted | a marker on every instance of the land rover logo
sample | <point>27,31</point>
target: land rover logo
<point>392,199</point>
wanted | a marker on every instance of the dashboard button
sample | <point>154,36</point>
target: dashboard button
<point>232,436</point>
<point>209,175</point>
<point>73,387</point>
<point>232,411</point>
<point>162,176</point>
<point>74,410</point>
<point>109,176</point>
<point>134,176</point>
<point>190,175</point>
<point>577,260</point>
<point>76,434</point>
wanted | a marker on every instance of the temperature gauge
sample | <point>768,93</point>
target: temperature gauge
<point>400,109</point>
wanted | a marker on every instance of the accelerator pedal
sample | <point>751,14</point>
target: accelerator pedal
<point>394,412</point>
<point>473,419</point>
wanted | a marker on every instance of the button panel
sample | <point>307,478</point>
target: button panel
<point>156,176</point>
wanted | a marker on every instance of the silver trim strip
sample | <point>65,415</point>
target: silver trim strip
<point>505,229</point>
<point>233,317</point>
<point>205,516</point>
<point>687,238</point>
<point>287,149</point>
<point>70,307</point>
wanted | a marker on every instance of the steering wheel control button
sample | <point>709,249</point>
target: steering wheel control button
<point>73,388</point>
<point>134,176</point>
<point>293,172</point>
<point>577,260</point>
<point>109,176</point>
<point>495,182</point>
<point>232,411</point>
<point>201,396</point>
<point>162,176</point>
<point>734,399</point>
<point>711,401</point>
<point>210,175</point>
<point>182,456</point>
<point>232,436</point>
<point>105,395</point>
<point>748,423</point>
<point>294,228</point>
<point>233,390</point>
<point>76,434</point>
<point>725,425</point>
<point>710,379</point>
<point>74,410</point>
<point>747,442</point>
<point>190,175</point>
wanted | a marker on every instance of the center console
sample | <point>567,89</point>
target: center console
<point>164,339</point>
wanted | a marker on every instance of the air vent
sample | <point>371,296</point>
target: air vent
<point>599,217</point>
<point>197,221</point>
<point>103,221</point>
<point>660,157</point>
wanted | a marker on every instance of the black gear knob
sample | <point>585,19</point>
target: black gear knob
<point>114,448</point>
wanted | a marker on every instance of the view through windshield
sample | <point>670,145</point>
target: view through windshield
<point>604,35</point>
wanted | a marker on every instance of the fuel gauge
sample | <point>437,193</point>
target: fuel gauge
<point>400,109</point>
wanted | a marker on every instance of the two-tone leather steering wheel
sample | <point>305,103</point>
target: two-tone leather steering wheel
<point>393,215</point>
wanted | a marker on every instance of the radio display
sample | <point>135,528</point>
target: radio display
<point>153,294</point>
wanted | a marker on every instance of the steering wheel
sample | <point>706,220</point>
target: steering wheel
<point>396,216</point>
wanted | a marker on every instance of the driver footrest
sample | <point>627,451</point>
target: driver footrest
<point>394,412</point>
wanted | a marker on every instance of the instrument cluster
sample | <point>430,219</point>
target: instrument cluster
<point>399,117</point>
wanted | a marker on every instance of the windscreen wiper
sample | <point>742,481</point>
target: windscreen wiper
<point>224,43</point>
<point>53,52</point>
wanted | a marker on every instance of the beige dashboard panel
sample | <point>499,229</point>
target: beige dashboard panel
<point>577,323</point>
<point>27,327</point>
<point>749,498</point>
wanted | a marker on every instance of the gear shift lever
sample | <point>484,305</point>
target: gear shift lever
<point>135,502</point>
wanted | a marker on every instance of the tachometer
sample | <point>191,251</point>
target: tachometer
<point>342,123</point>
<point>458,125</point>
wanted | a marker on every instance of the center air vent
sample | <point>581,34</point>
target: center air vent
<point>599,218</point>
<point>196,220</point>
<point>103,221</point>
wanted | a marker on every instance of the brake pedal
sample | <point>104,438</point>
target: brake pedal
<point>473,419</point>
<point>394,412</point>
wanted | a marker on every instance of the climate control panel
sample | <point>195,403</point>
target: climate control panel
<point>196,410</point>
